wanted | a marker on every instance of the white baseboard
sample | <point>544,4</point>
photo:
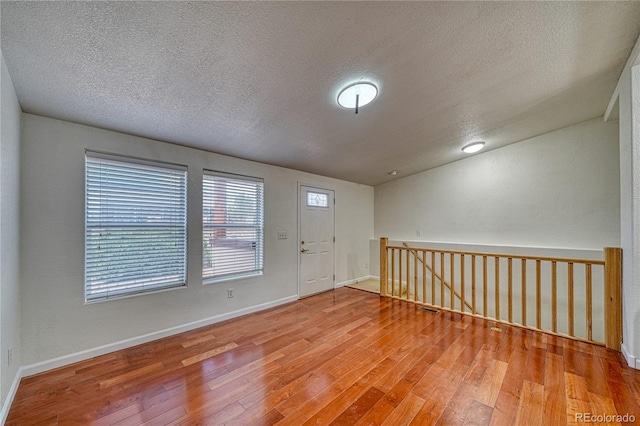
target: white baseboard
<point>30,370</point>
<point>12,393</point>
<point>354,281</point>
<point>632,361</point>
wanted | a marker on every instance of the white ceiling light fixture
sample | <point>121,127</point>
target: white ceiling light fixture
<point>473,147</point>
<point>357,95</point>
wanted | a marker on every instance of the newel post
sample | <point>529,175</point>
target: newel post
<point>384,242</point>
<point>613,297</point>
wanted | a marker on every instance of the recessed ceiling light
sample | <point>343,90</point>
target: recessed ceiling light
<point>393,172</point>
<point>357,95</point>
<point>473,147</point>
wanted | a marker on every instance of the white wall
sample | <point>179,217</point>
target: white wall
<point>557,190</point>
<point>625,104</point>
<point>629,101</point>
<point>632,283</point>
<point>56,321</point>
<point>9,232</point>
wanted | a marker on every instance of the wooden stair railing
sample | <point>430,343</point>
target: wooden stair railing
<point>429,268</point>
<point>579,284</point>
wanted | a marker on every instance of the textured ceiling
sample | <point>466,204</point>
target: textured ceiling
<point>260,80</point>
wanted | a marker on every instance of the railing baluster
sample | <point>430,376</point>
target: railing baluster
<point>554,297</point>
<point>510,274</point>
<point>442,279</point>
<point>538,297</point>
<point>452,281</point>
<point>408,275</point>
<point>497,286</point>
<point>433,278</point>
<point>399,273</point>
<point>384,265</point>
<point>405,273</point>
<point>424,276</point>
<point>415,275</point>
<point>589,302</point>
<point>462,285</point>
<point>400,263</point>
<point>524,292</point>
<point>570,297</point>
<point>393,272</point>
<point>473,284</point>
<point>484,285</point>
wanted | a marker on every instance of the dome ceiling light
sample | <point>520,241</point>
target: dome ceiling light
<point>473,147</point>
<point>357,95</point>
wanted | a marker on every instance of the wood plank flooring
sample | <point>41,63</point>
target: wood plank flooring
<point>345,357</point>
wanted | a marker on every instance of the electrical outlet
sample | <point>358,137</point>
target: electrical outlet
<point>418,232</point>
<point>9,356</point>
<point>230,293</point>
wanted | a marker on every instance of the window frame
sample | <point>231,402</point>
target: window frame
<point>145,284</point>
<point>318,206</point>
<point>260,228</point>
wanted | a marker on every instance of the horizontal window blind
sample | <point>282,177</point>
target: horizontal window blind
<point>233,225</point>
<point>135,226</point>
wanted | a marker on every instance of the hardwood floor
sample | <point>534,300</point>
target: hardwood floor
<point>345,357</point>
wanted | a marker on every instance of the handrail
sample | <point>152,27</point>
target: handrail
<point>513,256</point>
<point>570,301</point>
<point>415,253</point>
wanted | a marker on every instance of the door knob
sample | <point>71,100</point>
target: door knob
<point>303,250</point>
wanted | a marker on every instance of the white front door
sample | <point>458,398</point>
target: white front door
<point>316,240</point>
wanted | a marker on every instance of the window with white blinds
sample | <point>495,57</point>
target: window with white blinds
<point>135,226</point>
<point>232,226</point>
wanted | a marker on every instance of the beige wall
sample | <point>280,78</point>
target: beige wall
<point>558,190</point>
<point>55,320</point>
<point>9,233</point>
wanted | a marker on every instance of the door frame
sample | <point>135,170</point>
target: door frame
<point>298,236</point>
